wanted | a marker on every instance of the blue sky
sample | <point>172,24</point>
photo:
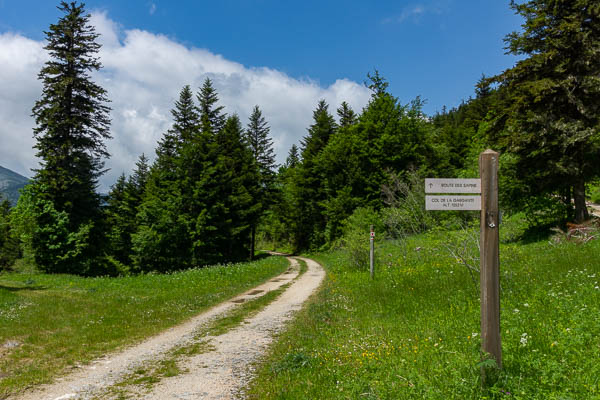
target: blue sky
<point>436,49</point>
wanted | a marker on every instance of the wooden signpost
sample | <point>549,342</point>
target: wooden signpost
<point>372,254</point>
<point>489,238</point>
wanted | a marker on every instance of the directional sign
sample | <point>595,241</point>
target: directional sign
<point>437,185</point>
<point>453,203</point>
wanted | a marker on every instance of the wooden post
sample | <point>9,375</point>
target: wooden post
<point>372,255</point>
<point>489,259</point>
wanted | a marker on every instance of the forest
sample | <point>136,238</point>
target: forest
<point>214,193</point>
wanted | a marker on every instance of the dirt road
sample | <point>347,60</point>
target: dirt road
<point>221,372</point>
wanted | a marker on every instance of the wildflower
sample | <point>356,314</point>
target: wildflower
<point>524,338</point>
<point>516,310</point>
<point>526,305</point>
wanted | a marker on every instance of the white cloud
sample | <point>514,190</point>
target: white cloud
<point>143,74</point>
<point>416,12</point>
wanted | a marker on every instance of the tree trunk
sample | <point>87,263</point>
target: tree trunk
<point>581,212</point>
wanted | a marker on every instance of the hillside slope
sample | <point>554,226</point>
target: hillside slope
<point>10,183</point>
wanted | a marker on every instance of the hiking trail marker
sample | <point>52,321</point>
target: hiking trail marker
<point>489,259</point>
<point>372,253</point>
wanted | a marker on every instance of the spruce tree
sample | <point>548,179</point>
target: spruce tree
<point>185,116</point>
<point>549,116</point>
<point>238,175</point>
<point>261,146</point>
<point>346,114</point>
<point>293,157</point>
<point>212,117</point>
<point>118,219</point>
<point>310,190</point>
<point>162,239</point>
<point>72,123</point>
<point>9,244</point>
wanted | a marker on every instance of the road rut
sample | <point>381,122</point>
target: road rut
<point>219,373</point>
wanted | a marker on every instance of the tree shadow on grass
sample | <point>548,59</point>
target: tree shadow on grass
<point>22,288</point>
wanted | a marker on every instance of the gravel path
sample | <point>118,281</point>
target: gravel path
<point>220,373</point>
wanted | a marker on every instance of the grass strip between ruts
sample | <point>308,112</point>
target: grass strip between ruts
<point>51,323</point>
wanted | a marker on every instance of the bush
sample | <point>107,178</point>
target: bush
<point>356,237</point>
<point>48,238</point>
<point>9,245</point>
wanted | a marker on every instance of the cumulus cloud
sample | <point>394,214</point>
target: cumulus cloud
<point>143,74</point>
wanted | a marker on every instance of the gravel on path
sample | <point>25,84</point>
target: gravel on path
<point>217,374</point>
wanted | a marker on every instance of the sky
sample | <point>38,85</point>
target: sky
<point>281,55</point>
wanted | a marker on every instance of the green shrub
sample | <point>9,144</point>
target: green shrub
<point>356,237</point>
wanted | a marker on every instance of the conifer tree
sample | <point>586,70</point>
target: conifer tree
<point>293,157</point>
<point>261,146</point>
<point>118,218</point>
<point>239,176</point>
<point>309,185</point>
<point>212,117</point>
<point>72,123</point>
<point>185,116</point>
<point>9,245</point>
<point>346,114</point>
<point>550,116</point>
<point>124,201</point>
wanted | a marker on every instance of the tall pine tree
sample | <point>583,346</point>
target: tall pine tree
<point>72,123</point>
<point>261,146</point>
<point>212,118</point>
<point>310,191</point>
<point>162,241</point>
<point>550,116</point>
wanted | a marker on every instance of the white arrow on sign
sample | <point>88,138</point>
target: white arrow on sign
<point>441,185</point>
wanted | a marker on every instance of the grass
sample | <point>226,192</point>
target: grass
<point>413,332</point>
<point>50,323</point>
<point>247,309</point>
<point>146,376</point>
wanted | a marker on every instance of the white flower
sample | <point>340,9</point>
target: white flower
<point>474,334</point>
<point>516,310</point>
<point>526,305</point>
<point>524,338</point>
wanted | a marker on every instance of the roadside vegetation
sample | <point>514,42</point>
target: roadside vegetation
<point>52,323</point>
<point>151,372</point>
<point>213,191</point>
<point>413,332</point>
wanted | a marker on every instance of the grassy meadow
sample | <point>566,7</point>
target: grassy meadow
<point>51,323</point>
<point>413,332</point>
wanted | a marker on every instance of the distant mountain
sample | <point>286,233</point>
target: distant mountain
<point>10,183</point>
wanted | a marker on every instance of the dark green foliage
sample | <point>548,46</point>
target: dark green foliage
<point>549,116</point>
<point>162,241</point>
<point>9,244</point>
<point>124,201</point>
<point>387,136</point>
<point>347,115</point>
<point>261,145</point>
<point>240,190</point>
<point>201,198</point>
<point>72,122</point>
<point>212,118</point>
<point>293,158</point>
<point>309,186</point>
